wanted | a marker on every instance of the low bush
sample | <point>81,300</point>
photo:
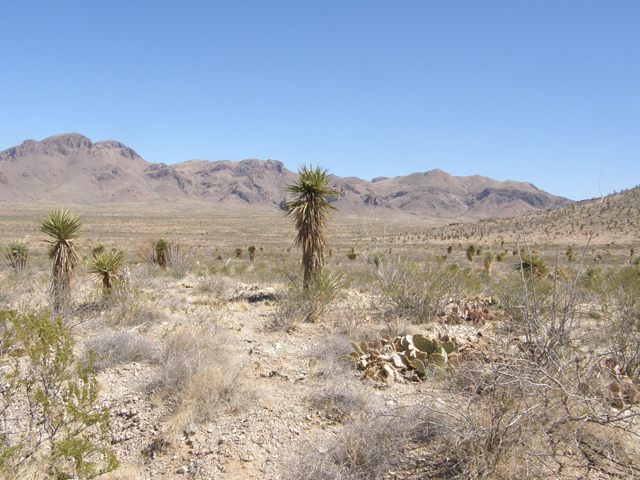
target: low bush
<point>298,304</point>
<point>51,423</point>
<point>364,450</point>
<point>120,347</point>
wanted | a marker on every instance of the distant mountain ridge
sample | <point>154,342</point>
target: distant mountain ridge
<point>70,168</point>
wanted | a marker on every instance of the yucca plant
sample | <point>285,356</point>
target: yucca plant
<point>64,228</point>
<point>310,209</point>
<point>252,252</point>
<point>97,250</point>
<point>238,252</point>
<point>532,266</point>
<point>106,266</point>
<point>162,252</point>
<point>489,260</point>
<point>17,254</point>
<point>471,251</point>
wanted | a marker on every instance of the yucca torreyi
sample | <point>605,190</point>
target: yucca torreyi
<point>310,209</point>
<point>162,252</point>
<point>64,228</point>
<point>17,254</point>
<point>106,267</point>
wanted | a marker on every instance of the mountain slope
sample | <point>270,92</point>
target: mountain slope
<point>72,169</point>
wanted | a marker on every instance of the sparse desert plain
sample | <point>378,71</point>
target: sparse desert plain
<point>504,348</point>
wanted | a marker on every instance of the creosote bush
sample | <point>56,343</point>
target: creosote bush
<point>49,403</point>
<point>419,292</point>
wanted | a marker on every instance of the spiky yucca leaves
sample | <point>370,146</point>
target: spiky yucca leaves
<point>162,252</point>
<point>532,266</point>
<point>17,254</point>
<point>489,260</point>
<point>106,267</point>
<point>63,227</point>
<point>252,252</point>
<point>310,210</point>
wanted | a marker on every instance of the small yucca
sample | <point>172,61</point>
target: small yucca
<point>64,228</point>
<point>17,254</point>
<point>532,266</point>
<point>107,266</point>
<point>162,252</point>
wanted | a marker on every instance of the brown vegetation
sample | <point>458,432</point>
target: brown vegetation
<point>408,362</point>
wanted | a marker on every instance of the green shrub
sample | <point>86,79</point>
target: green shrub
<point>419,293</point>
<point>49,402</point>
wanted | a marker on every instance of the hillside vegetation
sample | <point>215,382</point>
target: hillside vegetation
<point>187,346</point>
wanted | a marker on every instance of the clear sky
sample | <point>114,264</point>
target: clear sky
<point>541,91</point>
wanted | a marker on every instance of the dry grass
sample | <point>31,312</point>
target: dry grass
<point>540,407</point>
<point>364,450</point>
<point>121,347</point>
<point>200,377</point>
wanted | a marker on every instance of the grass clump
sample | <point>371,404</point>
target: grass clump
<point>119,348</point>
<point>307,302</point>
<point>199,376</point>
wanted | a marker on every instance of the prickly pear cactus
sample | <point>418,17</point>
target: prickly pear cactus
<point>406,358</point>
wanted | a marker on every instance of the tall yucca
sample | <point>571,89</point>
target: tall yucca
<point>310,210</point>
<point>63,227</point>
<point>106,267</point>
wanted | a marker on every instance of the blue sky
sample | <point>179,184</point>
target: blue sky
<point>541,91</point>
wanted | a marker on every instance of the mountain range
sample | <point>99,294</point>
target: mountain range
<point>70,168</point>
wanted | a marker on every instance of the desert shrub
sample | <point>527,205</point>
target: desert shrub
<point>128,309</point>
<point>49,403</point>
<point>218,288</point>
<point>179,260</point>
<point>471,251</point>
<point>118,348</point>
<point>200,377</point>
<point>620,325</point>
<point>105,267</point>
<point>64,228</point>
<point>365,449</point>
<point>517,418</point>
<point>162,252</point>
<point>489,260</point>
<point>299,304</point>
<point>420,292</point>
